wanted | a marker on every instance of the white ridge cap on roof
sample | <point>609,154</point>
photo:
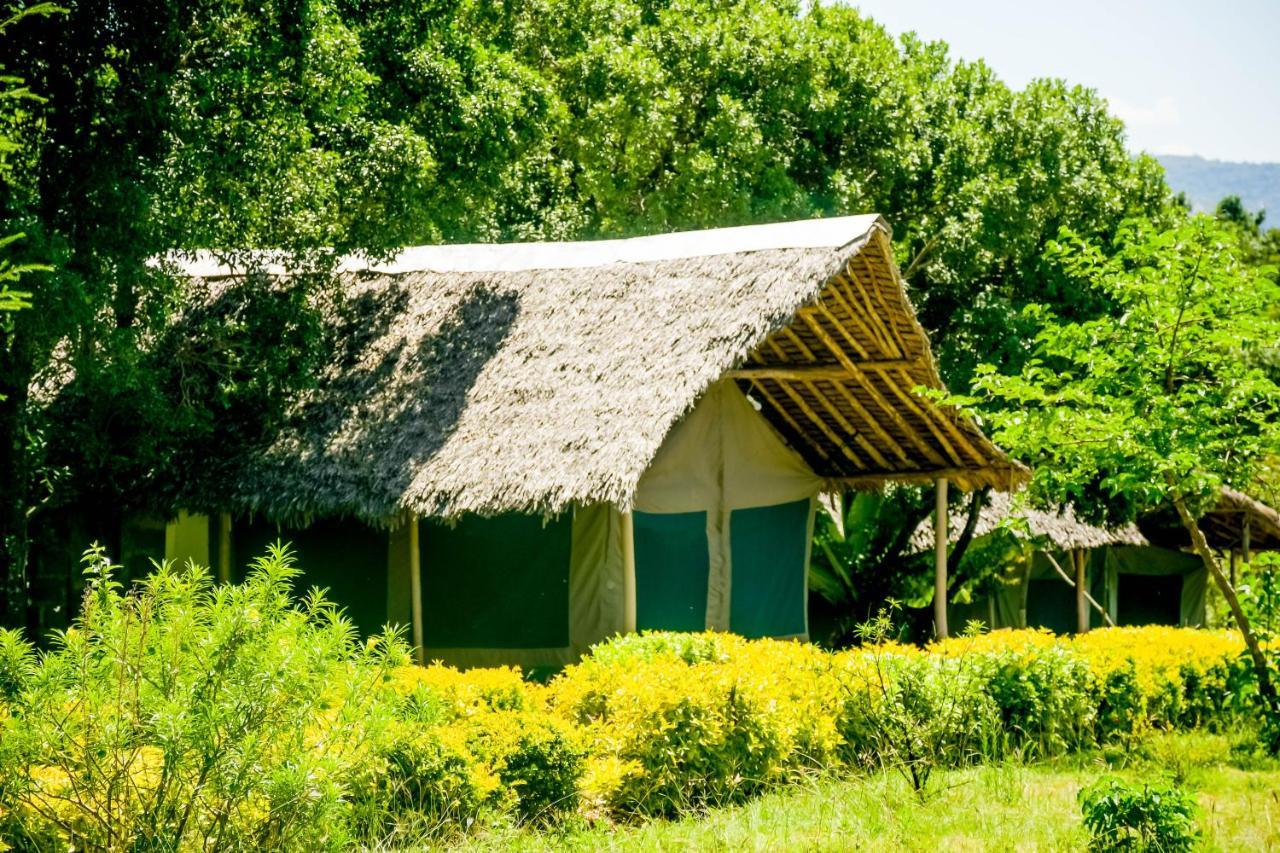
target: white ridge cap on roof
<point>834,232</point>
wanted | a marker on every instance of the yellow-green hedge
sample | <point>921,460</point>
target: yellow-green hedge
<point>658,723</point>
<point>672,721</point>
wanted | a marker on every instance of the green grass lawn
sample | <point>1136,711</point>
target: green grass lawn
<point>999,807</point>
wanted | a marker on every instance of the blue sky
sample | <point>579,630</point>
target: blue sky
<point>1187,77</point>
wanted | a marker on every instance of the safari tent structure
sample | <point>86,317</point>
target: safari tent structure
<point>1073,575</point>
<point>1237,526</point>
<point>519,450</point>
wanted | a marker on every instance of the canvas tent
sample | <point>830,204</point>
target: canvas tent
<point>1127,579</point>
<point>522,449</point>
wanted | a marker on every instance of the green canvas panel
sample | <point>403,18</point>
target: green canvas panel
<point>768,547</point>
<point>344,556</point>
<point>142,542</point>
<point>1051,604</point>
<point>672,566</point>
<point>186,539</point>
<point>496,583</point>
<point>1129,564</point>
<point>1194,588</point>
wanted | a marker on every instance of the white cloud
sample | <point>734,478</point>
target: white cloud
<point>1164,113</point>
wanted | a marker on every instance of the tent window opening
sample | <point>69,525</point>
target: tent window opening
<point>768,548</point>
<point>672,567</point>
<point>496,583</point>
<point>1148,599</point>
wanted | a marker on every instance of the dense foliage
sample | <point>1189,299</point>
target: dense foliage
<point>182,713</point>
<point>326,126</point>
<point>1161,403</point>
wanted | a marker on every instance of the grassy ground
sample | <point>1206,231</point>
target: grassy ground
<point>1001,807</point>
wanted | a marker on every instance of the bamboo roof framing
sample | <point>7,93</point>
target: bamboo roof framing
<point>840,381</point>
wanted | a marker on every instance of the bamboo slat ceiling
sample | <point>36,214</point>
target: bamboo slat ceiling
<point>839,383</point>
<point>529,377</point>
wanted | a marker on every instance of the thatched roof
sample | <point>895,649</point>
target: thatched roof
<point>490,378</point>
<point>1060,528</point>
<point>1227,521</point>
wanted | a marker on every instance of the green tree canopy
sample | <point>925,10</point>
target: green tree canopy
<point>1160,402</point>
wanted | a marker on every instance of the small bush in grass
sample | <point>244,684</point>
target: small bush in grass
<point>913,713</point>
<point>181,714</point>
<point>1155,818</point>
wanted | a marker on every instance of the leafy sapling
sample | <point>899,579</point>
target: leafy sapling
<point>1161,402</point>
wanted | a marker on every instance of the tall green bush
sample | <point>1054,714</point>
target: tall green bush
<point>181,714</point>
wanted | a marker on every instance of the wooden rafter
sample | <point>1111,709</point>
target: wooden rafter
<point>782,412</point>
<point>884,404</point>
<point>918,411</point>
<point>949,425</point>
<point>838,383</point>
<point>853,431</point>
<point>873,312</point>
<point>822,425</point>
<point>809,372</point>
<point>837,293</point>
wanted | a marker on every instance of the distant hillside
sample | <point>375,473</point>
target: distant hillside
<point>1206,182</point>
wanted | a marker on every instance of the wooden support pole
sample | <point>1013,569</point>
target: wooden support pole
<point>1082,585</point>
<point>224,547</point>
<point>1244,541</point>
<point>940,559</point>
<point>415,591</point>
<point>628,572</point>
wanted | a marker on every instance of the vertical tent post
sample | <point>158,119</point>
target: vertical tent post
<point>415,588</point>
<point>1244,540</point>
<point>224,547</point>
<point>940,559</point>
<point>1082,604</point>
<point>628,573</point>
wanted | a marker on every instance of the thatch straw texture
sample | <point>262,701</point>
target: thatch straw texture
<point>534,376</point>
<point>1061,529</point>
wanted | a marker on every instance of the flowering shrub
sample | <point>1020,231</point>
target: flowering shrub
<point>1040,686</point>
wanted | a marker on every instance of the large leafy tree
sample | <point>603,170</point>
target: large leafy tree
<point>1158,403</point>
<point>166,126</point>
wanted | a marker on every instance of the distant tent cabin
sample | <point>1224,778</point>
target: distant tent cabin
<point>1132,575</point>
<point>523,449</point>
<point>1238,525</point>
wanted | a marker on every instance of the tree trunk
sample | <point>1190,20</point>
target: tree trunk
<point>1266,689</point>
<point>976,502</point>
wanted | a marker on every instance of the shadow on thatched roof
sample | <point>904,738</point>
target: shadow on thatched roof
<point>529,377</point>
<point>1060,528</point>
